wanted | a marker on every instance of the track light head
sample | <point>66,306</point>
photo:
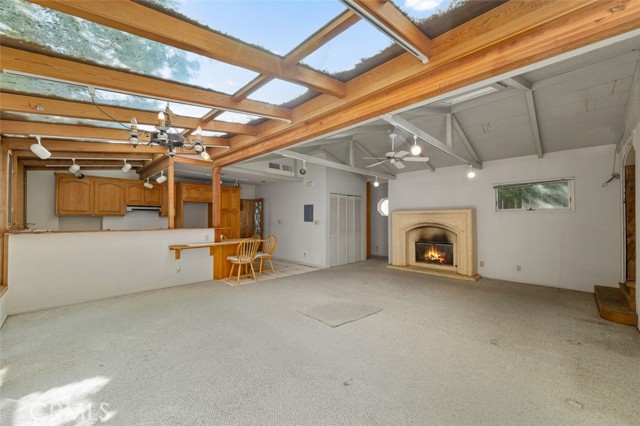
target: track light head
<point>471,173</point>
<point>40,150</point>
<point>303,169</point>
<point>376,183</point>
<point>74,167</point>
<point>415,148</point>
<point>162,178</point>
<point>79,175</point>
<point>126,167</point>
<point>148,184</point>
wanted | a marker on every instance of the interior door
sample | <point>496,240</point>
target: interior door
<point>345,229</point>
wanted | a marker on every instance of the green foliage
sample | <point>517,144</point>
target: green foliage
<point>535,196</point>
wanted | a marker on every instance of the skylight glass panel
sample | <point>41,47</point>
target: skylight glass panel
<point>422,9</point>
<point>278,92</point>
<point>348,49</point>
<point>235,117</point>
<point>40,118</point>
<point>86,40</point>
<point>212,134</point>
<point>277,26</point>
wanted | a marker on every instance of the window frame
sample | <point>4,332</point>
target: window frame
<point>570,181</point>
<point>379,206</point>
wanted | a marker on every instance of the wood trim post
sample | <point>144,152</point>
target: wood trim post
<point>216,205</point>
<point>171,194</point>
<point>3,215</point>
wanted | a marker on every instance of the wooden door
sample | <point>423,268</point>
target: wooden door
<point>74,197</point>
<point>230,210</point>
<point>630,214</point>
<point>108,198</point>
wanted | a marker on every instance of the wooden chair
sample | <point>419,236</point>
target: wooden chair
<point>245,256</point>
<point>268,247</point>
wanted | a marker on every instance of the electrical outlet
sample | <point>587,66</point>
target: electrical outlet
<point>518,268</point>
<point>377,249</point>
<point>482,263</point>
<point>178,269</point>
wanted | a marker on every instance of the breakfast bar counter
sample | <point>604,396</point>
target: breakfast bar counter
<point>219,250</point>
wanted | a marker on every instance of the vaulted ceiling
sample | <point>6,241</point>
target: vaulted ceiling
<point>575,102</point>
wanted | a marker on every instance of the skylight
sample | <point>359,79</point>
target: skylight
<point>348,49</point>
<point>86,40</point>
<point>422,9</point>
<point>278,92</point>
<point>235,117</point>
<point>277,26</point>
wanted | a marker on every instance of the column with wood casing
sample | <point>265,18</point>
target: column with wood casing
<point>215,200</point>
<point>3,215</point>
<point>171,193</point>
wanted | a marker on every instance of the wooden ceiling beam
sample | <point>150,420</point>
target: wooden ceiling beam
<point>514,35</point>
<point>386,17</point>
<point>48,106</point>
<point>57,68</point>
<point>193,161</point>
<point>155,167</point>
<point>143,21</point>
<point>15,127</point>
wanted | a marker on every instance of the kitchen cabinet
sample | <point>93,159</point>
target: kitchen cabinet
<point>74,197</point>
<point>138,195</point>
<point>108,197</point>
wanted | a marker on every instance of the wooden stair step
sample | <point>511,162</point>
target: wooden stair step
<point>613,305</point>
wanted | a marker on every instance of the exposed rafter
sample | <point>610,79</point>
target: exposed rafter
<point>88,133</point>
<point>48,106</point>
<point>431,140</point>
<point>386,17</point>
<point>39,65</point>
<point>332,164</point>
<point>525,85</point>
<point>465,140</point>
<point>135,18</point>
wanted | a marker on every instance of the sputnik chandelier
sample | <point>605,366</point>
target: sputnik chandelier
<point>168,136</point>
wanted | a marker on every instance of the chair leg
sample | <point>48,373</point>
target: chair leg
<point>260,273</point>
<point>231,271</point>
<point>239,269</point>
<point>270,263</point>
<point>253,271</point>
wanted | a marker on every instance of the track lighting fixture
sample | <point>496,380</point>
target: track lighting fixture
<point>303,170</point>
<point>75,168</point>
<point>148,184</point>
<point>126,167</point>
<point>79,175</point>
<point>376,183</point>
<point>237,185</point>
<point>415,148</point>
<point>40,150</point>
<point>162,178</point>
<point>471,173</point>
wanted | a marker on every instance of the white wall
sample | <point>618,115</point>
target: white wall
<point>195,215</point>
<point>574,249</point>
<point>247,192</point>
<point>55,269</point>
<point>298,241</point>
<point>3,309</point>
<point>379,243</point>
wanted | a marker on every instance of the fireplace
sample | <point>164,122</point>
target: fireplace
<point>440,242</point>
<point>434,253</point>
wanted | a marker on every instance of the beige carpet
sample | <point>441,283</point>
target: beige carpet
<point>440,352</point>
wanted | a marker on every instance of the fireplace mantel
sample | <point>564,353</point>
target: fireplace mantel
<point>460,222</point>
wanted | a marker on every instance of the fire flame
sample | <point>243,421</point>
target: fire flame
<point>433,255</point>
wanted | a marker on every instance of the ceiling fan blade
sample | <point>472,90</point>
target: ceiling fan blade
<point>376,164</point>
<point>401,154</point>
<point>399,165</point>
<point>424,159</point>
<point>374,158</point>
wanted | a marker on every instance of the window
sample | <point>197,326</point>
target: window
<point>532,196</point>
<point>383,207</point>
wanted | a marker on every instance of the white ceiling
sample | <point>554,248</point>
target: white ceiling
<point>579,102</point>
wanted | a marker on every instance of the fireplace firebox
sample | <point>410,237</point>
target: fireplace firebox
<point>434,253</point>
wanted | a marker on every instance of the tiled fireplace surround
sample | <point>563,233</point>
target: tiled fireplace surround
<point>458,225</point>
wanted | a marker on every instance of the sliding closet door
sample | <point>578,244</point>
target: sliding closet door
<point>345,229</point>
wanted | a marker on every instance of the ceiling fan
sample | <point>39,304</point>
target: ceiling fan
<point>396,158</point>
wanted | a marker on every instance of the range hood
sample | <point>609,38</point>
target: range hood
<point>143,208</point>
